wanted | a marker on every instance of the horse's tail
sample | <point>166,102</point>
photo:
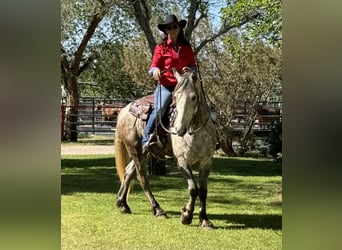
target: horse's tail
<point>121,157</point>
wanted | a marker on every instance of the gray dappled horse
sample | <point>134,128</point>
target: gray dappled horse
<point>193,142</point>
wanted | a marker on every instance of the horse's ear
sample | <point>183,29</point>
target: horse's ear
<point>194,76</point>
<point>176,74</point>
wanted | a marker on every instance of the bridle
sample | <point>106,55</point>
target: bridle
<point>189,132</point>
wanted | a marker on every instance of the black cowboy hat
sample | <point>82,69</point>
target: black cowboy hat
<point>171,19</point>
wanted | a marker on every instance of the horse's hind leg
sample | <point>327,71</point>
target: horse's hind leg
<point>121,201</point>
<point>203,180</point>
<point>188,209</point>
<point>141,175</point>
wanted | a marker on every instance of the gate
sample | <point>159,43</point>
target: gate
<point>95,115</point>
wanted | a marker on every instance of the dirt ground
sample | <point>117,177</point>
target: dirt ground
<point>86,149</point>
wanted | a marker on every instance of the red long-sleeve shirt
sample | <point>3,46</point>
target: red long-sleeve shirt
<point>165,58</point>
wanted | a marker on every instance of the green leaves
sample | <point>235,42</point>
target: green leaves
<point>245,72</point>
<point>254,20</point>
<point>266,15</point>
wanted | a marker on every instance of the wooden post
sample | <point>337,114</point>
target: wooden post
<point>62,121</point>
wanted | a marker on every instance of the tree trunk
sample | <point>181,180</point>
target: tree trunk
<point>227,146</point>
<point>71,69</point>
<point>71,109</point>
<point>248,132</point>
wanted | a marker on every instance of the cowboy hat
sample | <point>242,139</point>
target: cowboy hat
<point>171,19</point>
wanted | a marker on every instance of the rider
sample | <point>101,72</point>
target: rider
<point>173,52</point>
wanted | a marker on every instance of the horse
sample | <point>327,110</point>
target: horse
<point>109,112</point>
<point>192,142</point>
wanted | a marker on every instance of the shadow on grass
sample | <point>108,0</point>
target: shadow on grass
<point>98,174</point>
<point>245,221</point>
<point>239,221</point>
<point>88,162</point>
<point>250,167</point>
<point>89,175</point>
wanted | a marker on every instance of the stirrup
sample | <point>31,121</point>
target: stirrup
<point>148,146</point>
<point>153,149</point>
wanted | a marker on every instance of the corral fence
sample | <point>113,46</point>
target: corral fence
<point>99,115</point>
<point>267,117</point>
<point>96,115</point>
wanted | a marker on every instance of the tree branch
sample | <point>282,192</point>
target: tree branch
<point>90,31</point>
<point>203,15</point>
<point>223,31</point>
<point>143,17</point>
<point>191,18</point>
<point>147,10</point>
<point>85,65</point>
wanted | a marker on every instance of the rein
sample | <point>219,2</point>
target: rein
<point>200,127</point>
<point>160,118</point>
<point>159,115</point>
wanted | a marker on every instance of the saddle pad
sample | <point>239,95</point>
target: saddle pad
<point>142,107</point>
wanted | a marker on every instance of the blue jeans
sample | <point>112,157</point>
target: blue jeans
<point>162,99</point>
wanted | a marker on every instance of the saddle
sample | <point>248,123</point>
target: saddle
<point>141,109</point>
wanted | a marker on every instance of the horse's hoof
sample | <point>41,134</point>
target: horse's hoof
<point>160,214</point>
<point>186,217</point>
<point>124,208</point>
<point>206,224</point>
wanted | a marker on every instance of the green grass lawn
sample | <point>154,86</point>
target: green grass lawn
<point>92,140</point>
<point>244,203</point>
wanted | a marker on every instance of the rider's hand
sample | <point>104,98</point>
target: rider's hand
<point>185,69</point>
<point>156,74</point>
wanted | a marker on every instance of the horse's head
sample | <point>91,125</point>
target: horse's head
<point>99,105</point>
<point>185,97</point>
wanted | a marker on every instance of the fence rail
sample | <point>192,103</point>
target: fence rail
<point>95,115</point>
<point>99,115</point>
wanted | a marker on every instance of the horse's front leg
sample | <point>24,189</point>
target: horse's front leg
<point>121,201</point>
<point>203,190</point>
<point>188,209</point>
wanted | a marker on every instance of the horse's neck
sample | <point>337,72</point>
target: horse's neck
<point>202,112</point>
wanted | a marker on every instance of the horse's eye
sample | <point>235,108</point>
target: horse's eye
<point>193,98</point>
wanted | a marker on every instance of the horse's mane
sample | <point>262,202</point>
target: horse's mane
<point>183,84</point>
